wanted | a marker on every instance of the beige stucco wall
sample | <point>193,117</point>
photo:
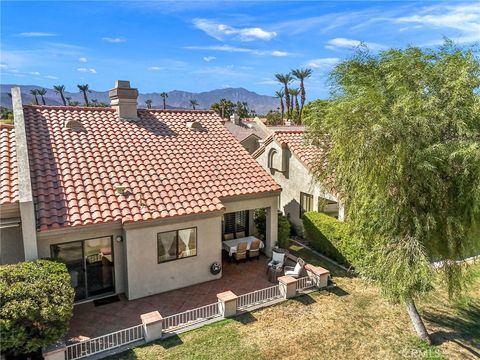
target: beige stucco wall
<point>294,178</point>
<point>45,239</point>
<point>147,277</point>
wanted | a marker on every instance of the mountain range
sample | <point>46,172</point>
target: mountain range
<point>176,99</point>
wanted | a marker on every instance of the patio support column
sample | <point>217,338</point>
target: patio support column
<point>152,325</point>
<point>288,286</point>
<point>55,352</point>
<point>228,303</point>
<point>318,275</point>
<point>271,235</point>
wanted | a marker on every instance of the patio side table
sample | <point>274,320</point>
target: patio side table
<point>274,273</point>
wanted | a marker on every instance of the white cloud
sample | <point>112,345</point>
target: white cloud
<point>322,62</point>
<point>154,68</point>
<point>87,70</point>
<point>36,34</point>
<point>349,43</point>
<point>209,58</point>
<point>463,18</point>
<point>279,53</point>
<point>228,48</point>
<point>3,66</point>
<point>223,32</point>
<point>114,40</point>
<point>51,77</point>
<point>34,73</point>
<point>82,59</point>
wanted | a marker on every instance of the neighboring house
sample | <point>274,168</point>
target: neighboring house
<point>290,160</point>
<point>134,201</point>
<point>249,133</point>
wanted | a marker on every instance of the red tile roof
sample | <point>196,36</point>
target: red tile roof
<point>296,142</point>
<point>167,168</point>
<point>8,166</point>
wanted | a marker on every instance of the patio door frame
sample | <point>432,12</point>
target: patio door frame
<point>84,266</point>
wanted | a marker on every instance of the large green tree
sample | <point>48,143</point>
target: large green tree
<point>36,305</point>
<point>405,148</point>
<point>224,108</point>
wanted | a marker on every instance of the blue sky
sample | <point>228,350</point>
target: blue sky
<point>200,46</point>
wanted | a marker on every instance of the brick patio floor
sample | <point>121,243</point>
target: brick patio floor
<point>91,321</point>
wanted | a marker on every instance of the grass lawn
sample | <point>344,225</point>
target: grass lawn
<point>352,321</point>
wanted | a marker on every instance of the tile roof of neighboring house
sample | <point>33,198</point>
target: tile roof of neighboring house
<point>243,131</point>
<point>296,142</point>
<point>167,168</point>
<point>8,166</point>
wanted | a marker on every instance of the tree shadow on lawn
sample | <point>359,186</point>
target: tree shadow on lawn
<point>464,325</point>
<point>245,318</point>
<point>305,299</point>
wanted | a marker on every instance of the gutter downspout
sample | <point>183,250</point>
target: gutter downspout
<point>27,210</point>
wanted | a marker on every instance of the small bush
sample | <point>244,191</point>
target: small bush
<point>330,237</point>
<point>36,305</point>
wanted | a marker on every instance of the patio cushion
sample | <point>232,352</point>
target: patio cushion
<point>278,258</point>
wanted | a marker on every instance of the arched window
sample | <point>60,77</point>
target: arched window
<point>271,158</point>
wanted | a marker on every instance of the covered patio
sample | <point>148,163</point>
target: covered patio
<point>90,321</point>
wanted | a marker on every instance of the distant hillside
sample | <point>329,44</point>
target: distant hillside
<point>176,99</point>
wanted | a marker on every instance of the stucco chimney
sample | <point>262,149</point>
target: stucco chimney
<point>123,99</point>
<point>235,119</point>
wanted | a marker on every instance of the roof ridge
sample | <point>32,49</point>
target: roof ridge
<point>60,107</point>
<point>178,110</point>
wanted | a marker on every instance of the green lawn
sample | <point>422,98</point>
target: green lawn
<point>352,321</point>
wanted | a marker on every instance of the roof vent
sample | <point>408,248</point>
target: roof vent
<point>73,125</point>
<point>120,189</point>
<point>194,125</point>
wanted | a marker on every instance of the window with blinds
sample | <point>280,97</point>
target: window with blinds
<point>236,223</point>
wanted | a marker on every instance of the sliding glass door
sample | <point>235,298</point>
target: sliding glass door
<point>90,264</point>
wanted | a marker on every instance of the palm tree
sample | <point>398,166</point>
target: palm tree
<point>164,95</point>
<point>294,92</point>
<point>68,98</point>
<point>285,79</point>
<point>34,92</point>
<point>149,103</point>
<point>84,89</point>
<point>302,74</point>
<point>60,89</point>
<point>42,92</point>
<point>193,103</point>
<point>280,94</point>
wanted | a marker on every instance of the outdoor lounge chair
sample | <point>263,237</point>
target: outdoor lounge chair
<point>295,271</point>
<point>241,253</point>
<point>278,259</point>
<point>254,249</point>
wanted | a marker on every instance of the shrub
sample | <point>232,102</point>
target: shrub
<point>330,237</point>
<point>283,231</point>
<point>36,305</point>
<point>283,226</point>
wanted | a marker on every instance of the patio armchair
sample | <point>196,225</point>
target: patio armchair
<point>278,259</point>
<point>295,271</point>
<point>254,249</point>
<point>241,253</point>
<point>228,236</point>
<point>240,234</point>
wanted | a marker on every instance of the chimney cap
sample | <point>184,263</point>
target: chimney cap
<point>125,84</point>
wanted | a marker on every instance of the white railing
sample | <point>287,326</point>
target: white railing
<point>104,342</point>
<point>190,317</point>
<point>258,297</point>
<point>304,283</point>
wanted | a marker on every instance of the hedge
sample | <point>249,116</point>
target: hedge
<point>36,305</point>
<point>330,237</point>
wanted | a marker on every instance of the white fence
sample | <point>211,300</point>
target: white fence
<point>258,297</point>
<point>190,317</point>
<point>304,283</point>
<point>104,342</point>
